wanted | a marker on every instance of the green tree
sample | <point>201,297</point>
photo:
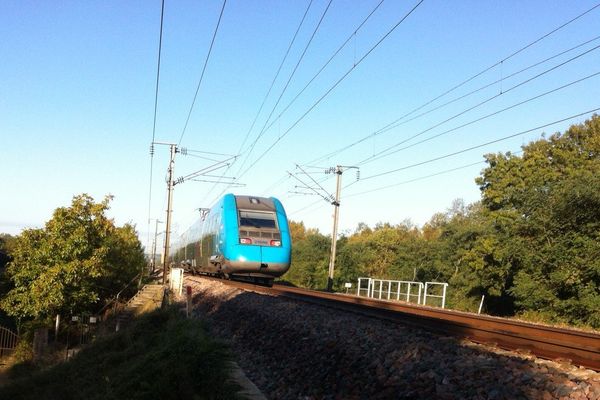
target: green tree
<point>7,243</point>
<point>72,265</point>
<point>552,192</point>
<point>310,260</point>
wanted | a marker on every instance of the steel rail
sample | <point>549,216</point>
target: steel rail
<point>578,347</point>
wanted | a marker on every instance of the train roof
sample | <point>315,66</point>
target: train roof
<point>255,203</point>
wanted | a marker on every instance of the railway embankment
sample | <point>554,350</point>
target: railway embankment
<point>160,355</point>
<point>293,349</point>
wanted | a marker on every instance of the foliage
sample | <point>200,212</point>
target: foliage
<point>554,192</point>
<point>7,244</point>
<point>162,355</point>
<point>531,246</point>
<point>310,257</point>
<point>72,265</point>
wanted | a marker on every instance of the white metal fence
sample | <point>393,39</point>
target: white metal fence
<point>411,292</point>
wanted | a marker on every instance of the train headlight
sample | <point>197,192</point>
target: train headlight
<point>245,241</point>
<point>275,242</point>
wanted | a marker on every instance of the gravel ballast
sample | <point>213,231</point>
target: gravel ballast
<point>295,350</point>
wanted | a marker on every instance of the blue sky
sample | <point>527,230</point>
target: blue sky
<point>77,85</point>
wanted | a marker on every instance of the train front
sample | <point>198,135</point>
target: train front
<point>258,239</point>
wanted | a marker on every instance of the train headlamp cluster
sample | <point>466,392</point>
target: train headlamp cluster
<point>246,240</point>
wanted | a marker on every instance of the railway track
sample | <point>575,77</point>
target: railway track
<point>568,345</point>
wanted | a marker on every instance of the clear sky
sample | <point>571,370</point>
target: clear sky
<point>77,91</point>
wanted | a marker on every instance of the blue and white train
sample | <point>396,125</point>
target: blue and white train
<point>241,237</point>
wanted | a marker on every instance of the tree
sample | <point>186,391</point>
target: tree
<point>552,192</point>
<point>7,243</point>
<point>310,258</point>
<point>73,264</point>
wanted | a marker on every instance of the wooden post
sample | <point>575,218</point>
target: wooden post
<point>188,309</point>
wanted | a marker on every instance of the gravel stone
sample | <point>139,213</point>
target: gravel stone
<point>295,350</point>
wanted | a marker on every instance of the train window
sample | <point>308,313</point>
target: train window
<point>258,219</point>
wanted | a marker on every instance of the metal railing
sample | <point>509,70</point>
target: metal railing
<point>409,291</point>
<point>442,285</point>
<point>8,341</point>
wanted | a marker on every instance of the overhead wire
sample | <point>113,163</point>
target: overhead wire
<point>335,53</point>
<point>162,13</point>
<point>464,82</point>
<point>386,151</point>
<point>480,145</point>
<point>489,115</point>
<point>340,48</point>
<point>276,75</point>
<point>502,79</point>
<point>262,131</point>
<point>212,42</point>
<point>332,88</point>
<point>268,93</point>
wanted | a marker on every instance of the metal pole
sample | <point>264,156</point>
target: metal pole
<point>154,244</point>
<point>336,213</point>
<point>169,210</point>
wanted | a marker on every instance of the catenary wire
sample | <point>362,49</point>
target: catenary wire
<point>387,150</point>
<point>212,42</point>
<point>341,47</point>
<point>276,76</point>
<point>464,82</point>
<point>262,131</point>
<point>266,96</point>
<point>331,88</point>
<point>162,13</point>
<point>480,145</point>
<point>490,115</point>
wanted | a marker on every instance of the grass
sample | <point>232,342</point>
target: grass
<point>159,356</point>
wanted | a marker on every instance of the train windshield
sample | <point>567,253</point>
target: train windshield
<point>258,219</point>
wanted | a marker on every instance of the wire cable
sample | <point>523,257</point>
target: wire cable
<point>452,89</point>
<point>490,115</point>
<point>385,152</point>
<point>262,131</point>
<point>212,42</point>
<point>332,88</point>
<point>266,96</point>
<point>479,145</point>
<point>396,123</point>
<point>340,48</point>
<point>162,13</point>
<point>276,75</point>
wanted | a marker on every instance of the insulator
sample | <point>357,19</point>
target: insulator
<point>152,149</point>
<point>184,151</point>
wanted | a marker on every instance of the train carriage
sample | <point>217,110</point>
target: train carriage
<point>241,237</point>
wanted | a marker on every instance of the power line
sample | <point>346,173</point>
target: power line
<point>452,89</point>
<point>332,87</point>
<point>488,115</point>
<point>202,74</point>
<point>268,93</point>
<point>317,74</point>
<point>262,131</point>
<point>276,75</point>
<point>479,145</point>
<point>396,123</point>
<point>386,151</point>
<point>326,198</point>
<point>326,64</point>
<point>415,179</point>
<point>162,13</point>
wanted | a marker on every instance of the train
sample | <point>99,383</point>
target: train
<point>240,238</point>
